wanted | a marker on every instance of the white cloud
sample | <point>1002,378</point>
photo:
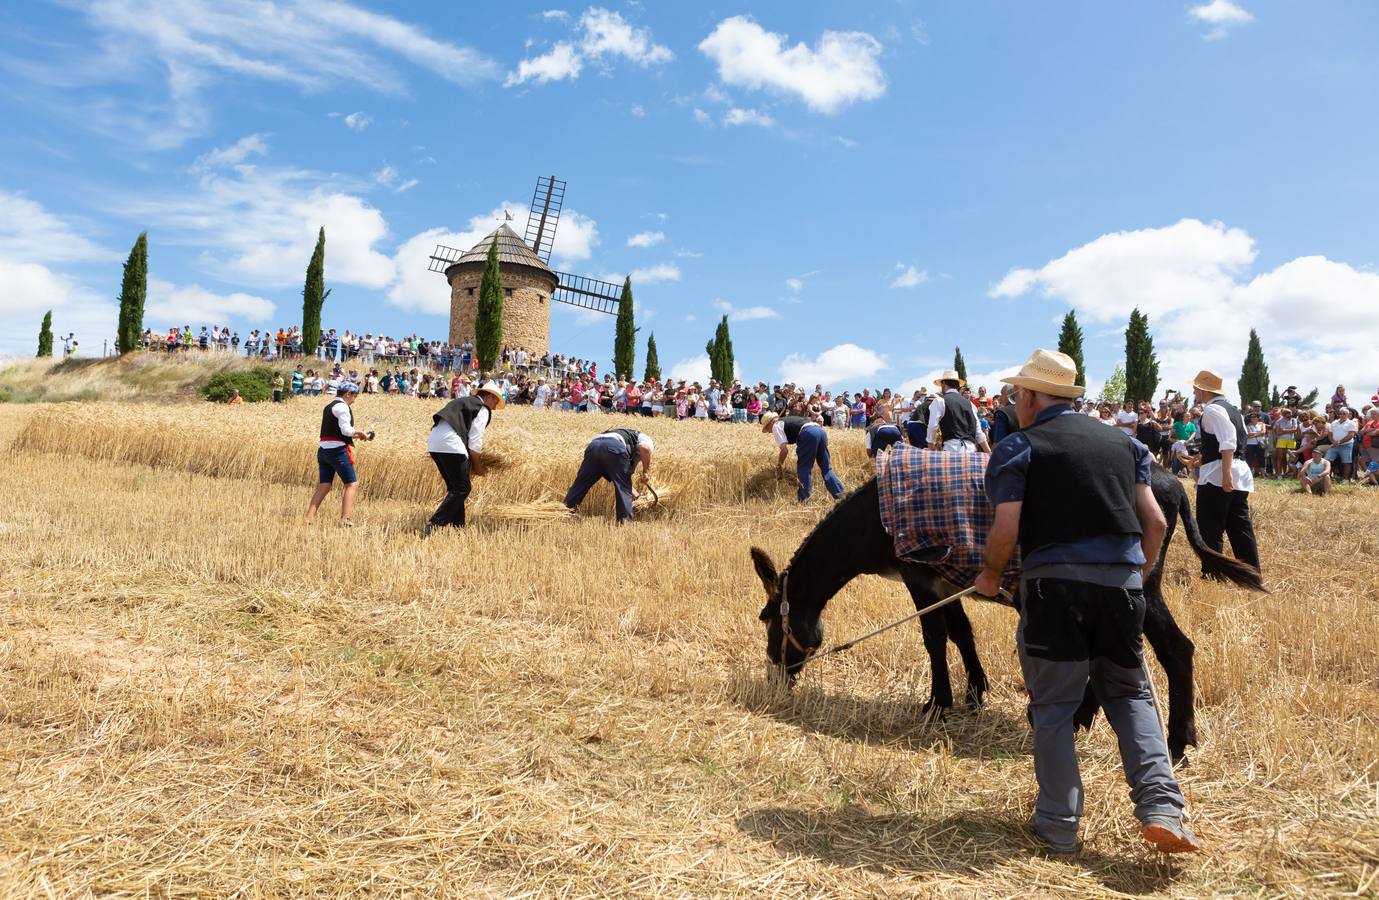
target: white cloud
<point>693,368</point>
<point>29,233</point>
<point>390,178</point>
<point>560,62</point>
<point>1221,15</point>
<point>843,68</point>
<point>795,284</point>
<point>835,367</point>
<point>558,14</point>
<point>358,121</point>
<point>603,35</point>
<point>736,116</point>
<point>989,380</point>
<point>30,289</point>
<point>702,117</point>
<point>169,304</point>
<point>845,142</point>
<point>406,185</point>
<point>638,111</point>
<point>236,153</point>
<point>646,239</point>
<point>655,274</point>
<point>745,313</point>
<point>310,44</point>
<point>1193,280</point>
<point>909,276</point>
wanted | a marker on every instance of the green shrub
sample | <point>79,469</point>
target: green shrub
<point>255,385</point>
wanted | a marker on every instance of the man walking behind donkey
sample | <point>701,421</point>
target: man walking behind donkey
<point>1076,496</point>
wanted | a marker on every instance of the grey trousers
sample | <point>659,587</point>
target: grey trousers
<point>1072,633</point>
<point>605,457</point>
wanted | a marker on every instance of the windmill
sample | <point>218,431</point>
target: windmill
<point>528,279</point>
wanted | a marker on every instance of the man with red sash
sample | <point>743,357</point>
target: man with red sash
<point>335,455</point>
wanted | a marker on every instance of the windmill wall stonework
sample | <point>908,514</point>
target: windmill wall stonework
<point>528,285</point>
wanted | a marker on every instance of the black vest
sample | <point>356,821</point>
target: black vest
<point>958,422</point>
<point>460,414</point>
<point>630,436</point>
<point>1080,483</point>
<point>883,435</point>
<point>330,426</point>
<point>793,424</point>
<point>1211,447</point>
<point>1012,421</point>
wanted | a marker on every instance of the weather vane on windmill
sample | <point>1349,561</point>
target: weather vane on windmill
<point>529,282</point>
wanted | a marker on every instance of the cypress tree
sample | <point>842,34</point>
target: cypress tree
<point>625,336</point>
<point>314,296</point>
<point>1275,398</point>
<point>653,362</point>
<point>1254,374</point>
<point>488,321</point>
<point>1310,398</point>
<point>959,365</point>
<point>720,351</point>
<point>45,335</point>
<point>1070,342</point>
<point>1141,363</point>
<point>133,291</point>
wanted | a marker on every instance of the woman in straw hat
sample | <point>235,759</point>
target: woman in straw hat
<point>1077,498</point>
<point>1224,480</point>
<point>953,424</point>
<point>455,444</point>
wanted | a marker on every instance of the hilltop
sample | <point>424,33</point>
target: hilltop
<point>139,377</point>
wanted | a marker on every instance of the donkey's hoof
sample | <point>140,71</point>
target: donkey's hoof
<point>976,696</point>
<point>933,709</point>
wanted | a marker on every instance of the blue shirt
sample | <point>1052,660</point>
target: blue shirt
<point>1005,483</point>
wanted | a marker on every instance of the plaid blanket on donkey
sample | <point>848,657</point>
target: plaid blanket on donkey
<point>936,499</point>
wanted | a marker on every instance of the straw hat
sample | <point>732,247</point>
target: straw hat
<point>1208,381</point>
<point>488,387</point>
<point>768,420</point>
<point>949,375</point>
<point>1048,372</point>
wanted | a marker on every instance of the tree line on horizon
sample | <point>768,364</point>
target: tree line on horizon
<point>1135,380</point>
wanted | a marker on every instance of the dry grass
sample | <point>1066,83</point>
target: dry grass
<point>140,377</point>
<point>199,696</point>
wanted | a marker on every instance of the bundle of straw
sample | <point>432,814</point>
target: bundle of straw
<point>544,510</point>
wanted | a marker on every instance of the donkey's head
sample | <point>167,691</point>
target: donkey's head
<point>790,641</point>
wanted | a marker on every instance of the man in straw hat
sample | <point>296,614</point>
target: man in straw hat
<point>455,444</point>
<point>953,424</point>
<point>613,455</point>
<point>811,446</point>
<point>335,454</point>
<point>1077,498</point>
<point>1224,480</point>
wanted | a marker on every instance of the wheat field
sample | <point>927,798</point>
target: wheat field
<point>204,697</point>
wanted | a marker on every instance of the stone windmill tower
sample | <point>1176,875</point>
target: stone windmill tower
<point>530,285</point>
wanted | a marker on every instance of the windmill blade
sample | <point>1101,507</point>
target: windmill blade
<point>588,293</point>
<point>546,202</point>
<point>443,258</point>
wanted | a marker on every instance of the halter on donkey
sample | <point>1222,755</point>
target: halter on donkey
<point>852,541</point>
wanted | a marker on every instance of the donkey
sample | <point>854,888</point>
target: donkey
<point>851,541</point>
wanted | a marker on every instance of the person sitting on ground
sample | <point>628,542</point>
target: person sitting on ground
<point>1316,475</point>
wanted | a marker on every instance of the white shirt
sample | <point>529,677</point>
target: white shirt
<point>345,417</point>
<point>936,411</point>
<point>778,431</point>
<point>643,439</point>
<point>543,395</point>
<point>1127,422</point>
<point>444,439</point>
<point>1341,430</point>
<point>1216,421</point>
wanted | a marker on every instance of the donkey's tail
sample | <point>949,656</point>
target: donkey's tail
<point>1215,564</point>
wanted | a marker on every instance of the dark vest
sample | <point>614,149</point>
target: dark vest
<point>460,414</point>
<point>883,435</point>
<point>958,422</point>
<point>330,426</point>
<point>1012,421</point>
<point>1211,447</point>
<point>1080,483</point>
<point>630,436</point>
<point>793,424</point>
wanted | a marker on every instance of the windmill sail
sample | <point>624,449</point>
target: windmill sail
<point>588,293</point>
<point>546,202</point>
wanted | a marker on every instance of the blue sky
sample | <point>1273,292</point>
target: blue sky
<point>860,188</point>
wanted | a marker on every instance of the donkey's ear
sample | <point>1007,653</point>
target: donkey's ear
<point>766,570</point>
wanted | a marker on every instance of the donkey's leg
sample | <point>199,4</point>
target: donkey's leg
<point>960,631</point>
<point>1174,651</point>
<point>936,642</point>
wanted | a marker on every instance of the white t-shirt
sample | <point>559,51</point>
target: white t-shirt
<point>1216,421</point>
<point>444,439</point>
<point>643,439</point>
<point>1341,430</point>
<point>1127,421</point>
<point>778,431</point>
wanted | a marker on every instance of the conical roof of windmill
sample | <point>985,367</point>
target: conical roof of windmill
<point>512,250</point>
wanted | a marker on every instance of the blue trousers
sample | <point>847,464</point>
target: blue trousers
<point>605,457</point>
<point>916,431</point>
<point>812,447</point>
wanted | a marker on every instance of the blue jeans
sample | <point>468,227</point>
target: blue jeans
<point>812,447</point>
<point>605,457</point>
<point>336,461</point>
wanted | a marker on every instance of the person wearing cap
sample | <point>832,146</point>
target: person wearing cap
<point>1076,498</point>
<point>811,447</point>
<point>455,444</point>
<point>882,434</point>
<point>953,424</point>
<point>335,455</point>
<point>613,455</point>
<point>1224,480</point>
